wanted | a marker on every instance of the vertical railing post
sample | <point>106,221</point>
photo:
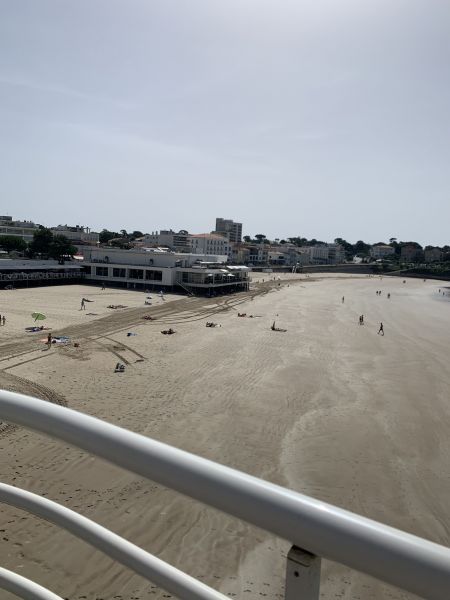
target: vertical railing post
<point>302,575</point>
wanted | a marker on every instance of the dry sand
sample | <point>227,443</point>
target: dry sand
<point>328,408</point>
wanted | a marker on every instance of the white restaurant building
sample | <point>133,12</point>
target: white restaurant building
<point>149,268</point>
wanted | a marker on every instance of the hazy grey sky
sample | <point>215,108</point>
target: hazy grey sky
<point>319,118</point>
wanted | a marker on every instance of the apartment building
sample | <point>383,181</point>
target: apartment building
<point>178,241</point>
<point>230,229</point>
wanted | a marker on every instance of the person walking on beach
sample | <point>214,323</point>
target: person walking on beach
<point>3,320</point>
<point>343,299</point>
<point>1,315</point>
<point>83,305</point>
<point>49,340</point>
<point>381,330</point>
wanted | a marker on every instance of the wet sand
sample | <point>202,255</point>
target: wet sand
<point>328,408</point>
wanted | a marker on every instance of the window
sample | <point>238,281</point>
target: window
<point>119,272</point>
<point>101,271</point>
<point>136,274</point>
<point>87,270</point>
<point>153,275</point>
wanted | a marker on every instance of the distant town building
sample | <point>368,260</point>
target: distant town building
<point>22,229</point>
<point>209,243</point>
<point>240,254</point>
<point>318,254</point>
<point>176,241</point>
<point>77,234</point>
<point>433,255</point>
<point>325,254</point>
<point>381,251</point>
<point>275,256</point>
<point>232,230</point>
<point>258,254</point>
<point>411,253</point>
<point>336,254</point>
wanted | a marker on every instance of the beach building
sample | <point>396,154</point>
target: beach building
<point>229,229</point>
<point>381,251</point>
<point>22,229</point>
<point>148,268</point>
<point>77,234</point>
<point>210,243</point>
<point>25,272</point>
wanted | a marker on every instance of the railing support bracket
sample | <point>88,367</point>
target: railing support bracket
<point>302,575</point>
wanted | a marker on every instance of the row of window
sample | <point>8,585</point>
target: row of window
<point>133,273</point>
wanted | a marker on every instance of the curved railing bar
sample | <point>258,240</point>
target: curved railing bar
<point>388,554</point>
<point>24,588</point>
<point>152,568</point>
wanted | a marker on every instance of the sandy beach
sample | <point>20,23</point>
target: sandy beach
<point>328,408</point>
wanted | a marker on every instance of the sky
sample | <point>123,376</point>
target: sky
<point>312,118</point>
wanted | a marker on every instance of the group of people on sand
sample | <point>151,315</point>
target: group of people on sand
<point>2,320</point>
<point>380,330</point>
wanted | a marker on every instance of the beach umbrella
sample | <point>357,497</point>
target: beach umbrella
<point>38,316</point>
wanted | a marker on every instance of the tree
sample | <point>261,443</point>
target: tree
<point>361,248</point>
<point>247,239</point>
<point>348,248</point>
<point>106,235</point>
<point>136,234</point>
<point>260,237</point>
<point>42,239</point>
<point>12,242</point>
<point>120,243</point>
<point>61,248</point>
<point>123,233</point>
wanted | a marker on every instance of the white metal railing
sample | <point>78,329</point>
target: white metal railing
<point>24,588</point>
<point>320,529</point>
<point>171,579</point>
